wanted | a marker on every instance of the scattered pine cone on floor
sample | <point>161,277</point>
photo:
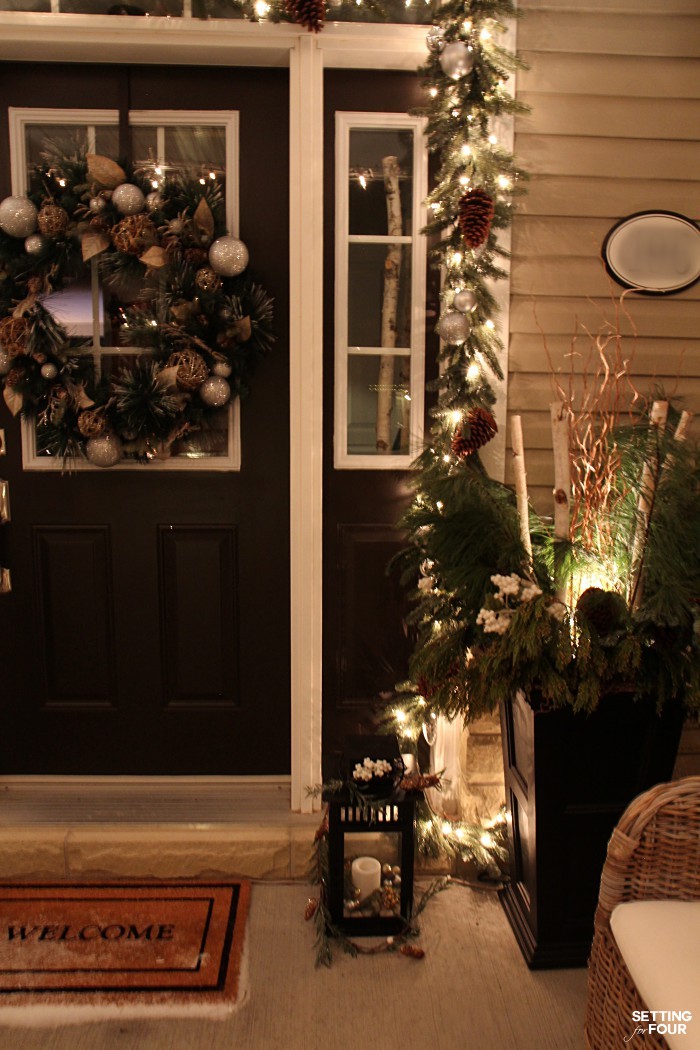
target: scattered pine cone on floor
<point>476,211</point>
<point>480,428</point>
<point>309,13</point>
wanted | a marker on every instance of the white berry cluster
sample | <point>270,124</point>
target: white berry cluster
<point>370,768</point>
<point>497,621</point>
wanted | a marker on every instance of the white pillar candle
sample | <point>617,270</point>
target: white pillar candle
<point>409,761</point>
<point>366,875</point>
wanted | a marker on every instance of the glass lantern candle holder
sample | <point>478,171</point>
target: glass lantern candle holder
<point>371,848</point>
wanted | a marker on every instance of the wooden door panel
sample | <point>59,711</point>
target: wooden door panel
<point>199,623</point>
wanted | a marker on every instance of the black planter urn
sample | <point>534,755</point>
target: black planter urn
<point>568,778</point>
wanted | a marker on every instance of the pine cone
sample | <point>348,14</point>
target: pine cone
<point>311,908</point>
<point>309,13</point>
<point>475,217</point>
<point>481,428</point>
<point>412,951</point>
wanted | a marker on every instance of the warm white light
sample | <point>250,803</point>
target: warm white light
<point>493,140</point>
<point>407,397</point>
<point>490,325</point>
<point>460,833</point>
<point>61,182</point>
<point>466,25</point>
<point>446,828</point>
<point>400,715</point>
<point>455,112</point>
<point>457,259</point>
<point>486,840</point>
<point>473,372</point>
<point>261,8</point>
<point>154,183</point>
<point>439,504</point>
<point>485,34</point>
<point>435,207</point>
<point>503,182</point>
<point>212,174</point>
<point>466,149</point>
<point>445,458</point>
<point>463,180</point>
<point>433,92</point>
<point>362,181</point>
<point>158,170</point>
<point>202,182</point>
<point>456,417</point>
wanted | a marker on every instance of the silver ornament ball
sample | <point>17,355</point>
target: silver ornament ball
<point>154,201</point>
<point>17,217</point>
<point>128,199</point>
<point>49,370</point>
<point>435,39</point>
<point>228,256</point>
<point>454,327</point>
<point>465,301</point>
<point>97,205</point>
<point>222,368</point>
<point>35,244</point>
<point>457,60</point>
<point>5,362</point>
<point>215,391</point>
<point>104,451</point>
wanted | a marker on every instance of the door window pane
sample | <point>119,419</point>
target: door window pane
<point>379,404</point>
<point>377,158</point>
<point>379,295</point>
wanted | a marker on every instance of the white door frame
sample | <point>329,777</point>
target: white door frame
<point>28,36</point>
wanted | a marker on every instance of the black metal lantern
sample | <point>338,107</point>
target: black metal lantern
<point>371,841</point>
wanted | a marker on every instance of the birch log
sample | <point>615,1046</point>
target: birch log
<point>657,418</point>
<point>560,417</point>
<point>516,440</point>
<point>390,303</point>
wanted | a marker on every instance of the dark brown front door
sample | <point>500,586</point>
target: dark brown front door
<point>147,631</point>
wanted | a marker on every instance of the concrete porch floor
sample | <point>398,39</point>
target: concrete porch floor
<point>77,827</point>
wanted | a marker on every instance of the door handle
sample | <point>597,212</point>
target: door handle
<point>4,502</point>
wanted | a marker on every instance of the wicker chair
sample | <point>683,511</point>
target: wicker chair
<point>653,854</point>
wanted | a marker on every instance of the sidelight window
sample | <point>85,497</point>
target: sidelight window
<point>381,175</point>
<point>200,145</point>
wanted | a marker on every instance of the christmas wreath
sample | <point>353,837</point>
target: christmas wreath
<point>187,321</point>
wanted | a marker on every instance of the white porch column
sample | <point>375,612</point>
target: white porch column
<point>306,410</point>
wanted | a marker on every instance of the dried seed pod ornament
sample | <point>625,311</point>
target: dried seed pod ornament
<point>476,210</point>
<point>481,427</point>
<point>309,13</point>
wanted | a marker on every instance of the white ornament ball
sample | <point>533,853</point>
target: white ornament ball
<point>128,199</point>
<point>5,362</point>
<point>215,391</point>
<point>435,39</point>
<point>457,60</point>
<point>97,205</point>
<point>222,368</point>
<point>49,370</point>
<point>454,327</point>
<point>17,217</point>
<point>228,256</point>
<point>35,244</point>
<point>104,451</point>
<point>465,301</point>
<point>154,201</point>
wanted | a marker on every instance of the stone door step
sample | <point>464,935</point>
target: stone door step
<point>79,827</point>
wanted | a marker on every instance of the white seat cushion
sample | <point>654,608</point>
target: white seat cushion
<point>660,943</point>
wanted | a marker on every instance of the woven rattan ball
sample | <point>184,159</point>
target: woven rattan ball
<point>133,234</point>
<point>91,422</point>
<point>207,280</point>
<point>52,220</point>
<point>191,368</point>
<point>14,332</point>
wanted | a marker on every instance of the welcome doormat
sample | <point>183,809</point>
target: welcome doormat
<point>123,949</point>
